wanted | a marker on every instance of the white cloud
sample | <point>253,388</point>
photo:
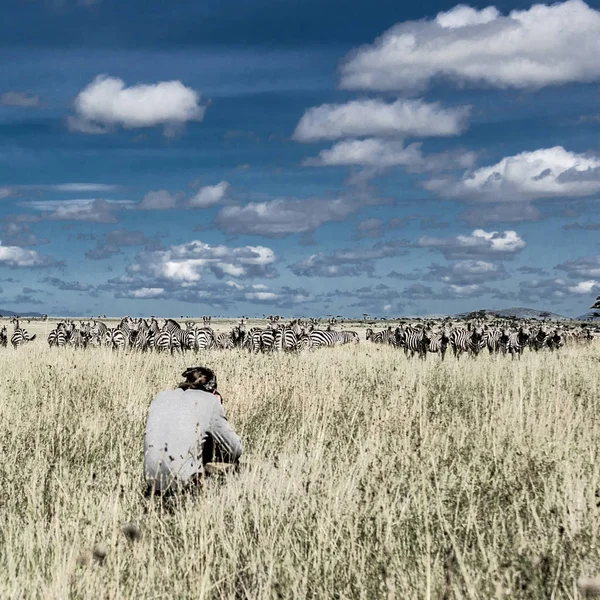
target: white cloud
<point>544,45</point>
<point>280,217</point>
<point>146,293</point>
<point>382,154</point>
<point>403,118</point>
<point>209,195</point>
<point>544,173</point>
<point>78,188</point>
<point>586,266</point>
<point>466,272</point>
<point>585,287</point>
<point>186,263</point>
<point>479,244</point>
<point>158,200</point>
<point>84,209</point>
<point>15,257</point>
<point>106,103</point>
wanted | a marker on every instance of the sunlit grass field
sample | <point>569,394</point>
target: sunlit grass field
<point>365,475</point>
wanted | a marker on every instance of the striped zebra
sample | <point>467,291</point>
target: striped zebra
<point>349,337</point>
<point>130,328</point>
<point>540,339</point>
<point>224,341</point>
<point>115,338</point>
<point>510,344</point>
<point>555,340</point>
<point>98,333</point>
<point>286,339</point>
<point>199,339</point>
<point>304,342</point>
<point>381,337</point>
<point>491,340</point>
<point>58,337</point>
<point>413,340</point>
<point>20,336</point>
<point>144,339</point>
<point>3,337</point>
<point>437,342</point>
<point>323,337</point>
<point>467,340</point>
<point>263,340</point>
<point>77,339</point>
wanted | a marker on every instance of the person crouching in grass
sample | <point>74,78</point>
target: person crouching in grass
<point>187,428</point>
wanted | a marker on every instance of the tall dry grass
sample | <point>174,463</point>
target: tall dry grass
<point>365,476</point>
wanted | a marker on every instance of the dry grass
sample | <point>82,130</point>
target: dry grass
<point>365,476</point>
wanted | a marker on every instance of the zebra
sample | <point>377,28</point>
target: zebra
<point>286,339</point>
<point>3,337</point>
<point>224,341</point>
<point>20,336</point>
<point>130,328</point>
<point>321,337</point>
<point>238,334</point>
<point>115,338</point>
<point>98,333</point>
<point>381,337</point>
<point>263,340</point>
<point>491,339</point>
<point>555,340</point>
<point>199,339</point>
<point>437,342</point>
<point>349,337</point>
<point>467,340</point>
<point>413,340</point>
<point>540,339</point>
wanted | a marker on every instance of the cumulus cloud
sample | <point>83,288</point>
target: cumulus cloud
<point>361,118</point>
<point>557,289</point>
<point>587,267</point>
<point>15,231</point>
<point>212,293</point>
<point>90,210</point>
<point>349,262</point>
<point>107,103</point>
<point>20,99</point>
<point>382,154</point>
<point>209,195</point>
<point>480,244</point>
<point>541,46</point>
<point>16,257</point>
<point>158,200</point>
<point>464,273</point>
<point>186,263</point>
<point>280,217</point>
<point>545,173</point>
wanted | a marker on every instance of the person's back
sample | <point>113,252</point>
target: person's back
<point>180,426</point>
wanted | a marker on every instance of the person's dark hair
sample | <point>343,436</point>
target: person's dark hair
<point>199,378</point>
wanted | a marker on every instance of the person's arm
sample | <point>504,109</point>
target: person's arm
<point>227,442</point>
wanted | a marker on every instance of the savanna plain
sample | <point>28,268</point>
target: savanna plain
<point>365,475</point>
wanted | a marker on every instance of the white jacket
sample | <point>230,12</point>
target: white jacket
<point>179,425</point>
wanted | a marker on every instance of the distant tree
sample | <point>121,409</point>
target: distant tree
<point>545,315</point>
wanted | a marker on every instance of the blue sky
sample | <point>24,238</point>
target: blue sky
<point>298,158</point>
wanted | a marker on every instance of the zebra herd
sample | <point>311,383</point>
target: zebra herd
<point>498,337</point>
<point>415,338</point>
<point>149,334</point>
